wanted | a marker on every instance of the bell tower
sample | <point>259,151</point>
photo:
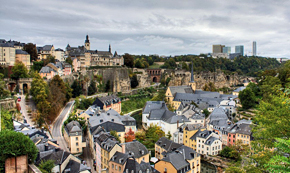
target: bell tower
<point>192,84</point>
<point>87,43</point>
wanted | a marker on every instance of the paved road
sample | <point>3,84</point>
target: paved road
<point>24,110</point>
<point>88,156</point>
<point>57,126</point>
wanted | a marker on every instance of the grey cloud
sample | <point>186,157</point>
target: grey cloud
<point>146,27</point>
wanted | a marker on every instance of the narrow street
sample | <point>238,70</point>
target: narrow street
<point>57,126</point>
<point>24,110</point>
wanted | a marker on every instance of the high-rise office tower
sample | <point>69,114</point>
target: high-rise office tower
<point>217,48</point>
<point>240,49</point>
<point>227,50</point>
<point>254,48</point>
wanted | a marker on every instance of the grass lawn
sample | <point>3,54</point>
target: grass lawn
<point>154,66</point>
<point>133,104</point>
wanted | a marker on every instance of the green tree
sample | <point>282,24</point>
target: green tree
<point>247,98</point>
<point>128,60</point>
<point>139,64</point>
<point>6,120</point>
<point>19,70</point>
<point>49,59</point>
<point>69,60</point>
<point>151,136</point>
<point>46,166</point>
<point>92,88</point>
<point>134,81</point>
<point>37,65</point>
<point>168,135</point>
<point>3,92</point>
<point>185,66</point>
<point>279,162</point>
<point>115,134</point>
<point>76,89</point>
<point>30,48</point>
<point>272,120</point>
<point>13,144</point>
<point>206,113</point>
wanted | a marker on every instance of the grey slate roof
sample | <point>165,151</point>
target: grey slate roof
<point>190,127</point>
<point>210,140</point>
<point>135,148</point>
<point>76,167</point>
<point>187,152</point>
<point>152,105</point>
<point>73,126</point>
<point>218,114</point>
<point>204,134</point>
<point>107,100</point>
<point>177,160</point>
<point>47,47</point>
<point>180,89</point>
<point>109,144</point>
<point>133,166</point>
<point>59,156</point>
<point>119,158</point>
<point>18,51</point>
<point>46,70</point>
<point>167,144</point>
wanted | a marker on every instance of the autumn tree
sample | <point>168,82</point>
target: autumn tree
<point>129,136</point>
<point>30,48</point>
<point>40,91</point>
<point>151,136</point>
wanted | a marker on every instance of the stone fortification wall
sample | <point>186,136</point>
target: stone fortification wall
<point>119,78</point>
<point>219,78</point>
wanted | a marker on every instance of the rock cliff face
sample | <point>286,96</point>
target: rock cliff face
<point>119,78</point>
<point>220,79</point>
<point>143,77</point>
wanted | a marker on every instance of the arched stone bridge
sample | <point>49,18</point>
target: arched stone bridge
<point>155,74</point>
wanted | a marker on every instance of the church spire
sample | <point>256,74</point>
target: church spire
<point>110,48</point>
<point>192,79</point>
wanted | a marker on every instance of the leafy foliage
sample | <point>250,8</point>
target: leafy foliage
<point>37,65</point>
<point>30,48</point>
<point>129,136</point>
<point>6,120</point>
<point>92,88</point>
<point>19,70</point>
<point>150,136</point>
<point>247,98</point>
<point>115,134</point>
<point>3,92</point>
<point>14,144</point>
<point>128,60</point>
<point>280,163</point>
<point>76,89</point>
<point>46,166</point>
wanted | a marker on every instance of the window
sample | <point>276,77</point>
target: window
<point>165,169</point>
<point>206,148</point>
<point>77,138</point>
<point>78,149</point>
<point>113,166</point>
<point>77,144</point>
<point>119,168</point>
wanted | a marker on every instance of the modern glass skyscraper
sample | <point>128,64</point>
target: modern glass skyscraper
<point>217,48</point>
<point>254,48</point>
<point>240,49</point>
<point>227,50</point>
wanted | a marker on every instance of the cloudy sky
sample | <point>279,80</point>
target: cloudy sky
<point>164,27</point>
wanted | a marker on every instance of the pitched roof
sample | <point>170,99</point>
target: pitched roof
<point>73,126</point>
<point>133,166</point>
<point>119,158</point>
<point>107,100</point>
<point>177,160</point>
<point>180,89</point>
<point>46,69</point>
<point>135,148</point>
<point>167,144</point>
<point>47,47</point>
<point>19,51</point>
<point>75,167</point>
<point>59,156</point>
<point>152,105</point>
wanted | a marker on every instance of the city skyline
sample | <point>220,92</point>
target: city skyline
<point>151,27</point>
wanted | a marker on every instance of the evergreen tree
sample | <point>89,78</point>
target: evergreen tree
<point>92,88</point>
<point>76,89</point>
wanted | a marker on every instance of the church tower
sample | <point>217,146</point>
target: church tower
<point>191,82</point>
<point>87,43</point>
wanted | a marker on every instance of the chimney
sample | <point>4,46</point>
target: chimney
<point>177,124</point>
<point>124,148</point>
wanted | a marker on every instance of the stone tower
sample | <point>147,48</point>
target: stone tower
<point>87,43</point>
<point>191,82</point>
